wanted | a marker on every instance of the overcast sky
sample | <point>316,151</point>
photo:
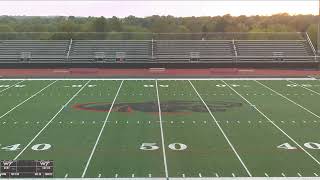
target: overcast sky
<point>148,8</point>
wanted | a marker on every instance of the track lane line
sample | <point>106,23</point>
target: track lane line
<point>21,103</point>
<point>220,128</point>
<point>162,136</point>
<point>101,131</point>
<point>49,122</point>
<point>302,107</point>
<point>304,87</point>
<point>274,124</point>
<point>11,86</point>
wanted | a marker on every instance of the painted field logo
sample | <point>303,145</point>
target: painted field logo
<point>166,107</point>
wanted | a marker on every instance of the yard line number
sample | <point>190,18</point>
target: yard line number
<point>232,85</point>
<point>154,146</point>
<point>303,85</point>
<point>16,86</point>
<point>36,147</point>
<point>80,85</point>
<point>309,145</point>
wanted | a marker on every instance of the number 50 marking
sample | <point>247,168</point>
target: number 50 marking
<point>154,146</point>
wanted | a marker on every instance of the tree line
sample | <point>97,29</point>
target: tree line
<point>159,24</point>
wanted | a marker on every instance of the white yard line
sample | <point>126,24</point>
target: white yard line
<point>11,86</point>
<point>162,136</point>
<point>101,131</point>
<point>49,122</point>
<point>175,79</point>
<point>26,100</point>
<point>304,87</point>
<point>288,99</point>
<point>255,107</point>
<point>225,136</point>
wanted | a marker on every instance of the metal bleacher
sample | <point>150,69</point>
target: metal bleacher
<point>275,50</point>
<point>179,50</point>
<point>132,50</point>
<point>236,51</point>
<point>36,50</point>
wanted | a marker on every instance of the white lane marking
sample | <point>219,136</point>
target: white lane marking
<point>200,175</point>
<point>299,174</point>
<point>233,175</point>
<point>315,174</point>
<point>304,87</point>
<point>217,175</point>
<point>11,86</point>
<point>223,133</point>
<point>65,176</point>
<point>288,99</point>
<point>266,174</point>
<point>116,175</point>
<point>283,174</point>
<point>99,176</point>
<point>150,175</point>
<point>49,122</point>
<point>274,124</point>
<point>162,136</point>
<point>27,99</point>
<point>183,175</point>
<point>132,175</point>
<point>101,131</point>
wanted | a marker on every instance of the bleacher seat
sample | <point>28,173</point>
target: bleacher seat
<point>179,50</point>
<point>39,50</point>
<point>278,50</point>
<point>134,50</point>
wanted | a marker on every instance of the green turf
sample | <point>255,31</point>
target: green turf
<point>248,120</point>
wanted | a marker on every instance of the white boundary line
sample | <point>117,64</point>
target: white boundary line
<point>288,99</point>
<point>49,122</point>
<point>176,79</point>
<point>27,99</point>
<point>252,105</point>
<point>162,136</point>
<point>11,86</point>
<point>225,136</point>
<point>101,131</point>
<point>304,87</point>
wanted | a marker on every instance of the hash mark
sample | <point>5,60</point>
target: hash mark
<point>116,175</point>
<point>132,175</point>
<point>150,175</point>
<point>183,175</point>
<point>217,175</point>
<point>65,176</point>
<point>283,174</point>
<point>99,176</point>
<point>200,175</point>
<point>315,174</point>
<point>266,174</point>
<point>299,174</point>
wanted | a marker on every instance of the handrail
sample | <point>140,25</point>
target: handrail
<point>152,49</point>
<point>235,50</point>
<point>69,49</point>
<point>311,45</point>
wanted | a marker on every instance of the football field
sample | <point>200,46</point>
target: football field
<point>163,128</point>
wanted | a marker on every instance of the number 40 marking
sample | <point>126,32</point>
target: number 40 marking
<point>37,147</point>
<point>309,145</point>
